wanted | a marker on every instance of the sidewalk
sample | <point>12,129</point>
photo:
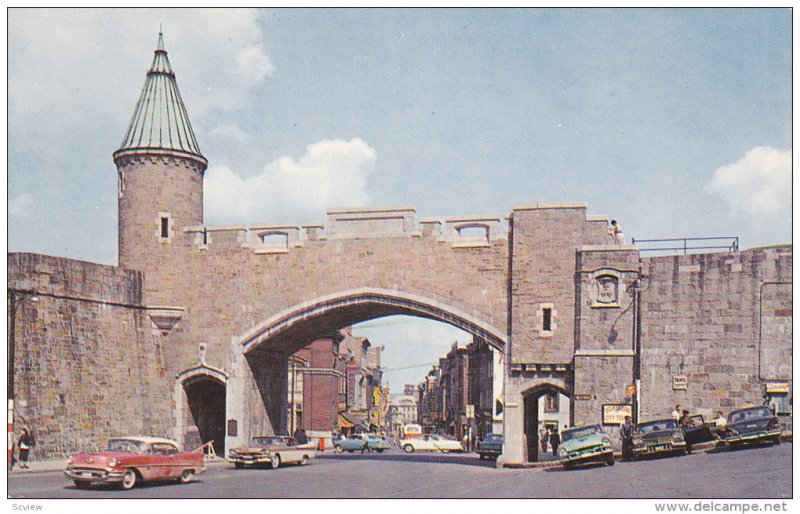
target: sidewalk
<point>48,466</point>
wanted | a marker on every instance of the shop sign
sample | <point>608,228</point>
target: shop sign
<point>470,411</point>
<point>614,413</point>
<point>778,387</point>
<point>583,396</point>
<point>679,382</point>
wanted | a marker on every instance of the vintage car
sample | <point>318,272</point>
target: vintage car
<point>431,442</point>
<point>659,437</point>
<point>131,459</point>
<point>697,431</point>
<point>752,425</point>
<point>272,450</point>
<point>354,443</point>
<point>584,444</point>
<point>490,446</point>
<point>377,444</point>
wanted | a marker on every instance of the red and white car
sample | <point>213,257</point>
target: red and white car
<point>131,459</point>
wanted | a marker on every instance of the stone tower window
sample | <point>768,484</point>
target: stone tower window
<point>546,319</point>
<point>164,227</point>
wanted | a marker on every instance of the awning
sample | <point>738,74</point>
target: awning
<point>345,422</point>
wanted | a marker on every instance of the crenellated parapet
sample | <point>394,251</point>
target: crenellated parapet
<point>352,224</point>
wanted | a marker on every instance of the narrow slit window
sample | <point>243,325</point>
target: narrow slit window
<point>164,227</point>
<point>547,319</point>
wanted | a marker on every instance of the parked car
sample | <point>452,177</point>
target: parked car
<point>698,432</point>
<point>131,459</point>
<point>272,450</point>
<point>354,443</point>
<point>752,425</point>
<point>584,444</point>
<point>490,446</point>
<point>431,442</point>
<point>377,444</point>
<point>659,437</point>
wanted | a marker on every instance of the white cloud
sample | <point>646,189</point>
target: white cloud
<point>20,205</point>
<point>52,51</point>
<point>759,184</point>
<point>331,173</point>
<point>229,131</point>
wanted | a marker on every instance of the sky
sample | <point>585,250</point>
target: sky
<point>676,122</point>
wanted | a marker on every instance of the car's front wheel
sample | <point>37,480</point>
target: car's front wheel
<point>408,448</point>
<point>128,480</point>
<point>305,460</point>
<point>610,459</point>
<point>276,461</point>
<point>337,448</point>
<point>80,484</point>
<point>239,465</point>
<point>185,477</point>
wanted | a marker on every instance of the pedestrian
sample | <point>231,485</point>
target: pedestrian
<point>25,443</point>
<point>676,414</point>
<point>543,438</point>
<point>626,433</point>
<point>720,428</point>
<point>616,233</point>
<point>555,440</point>
<point>685,421</point>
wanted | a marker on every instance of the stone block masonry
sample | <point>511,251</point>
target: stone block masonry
<point>87,364</point>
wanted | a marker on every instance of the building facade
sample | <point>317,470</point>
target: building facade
<point>190,335</point>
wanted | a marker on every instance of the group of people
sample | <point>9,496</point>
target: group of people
<point>549,436</point>
<point>681,415</point>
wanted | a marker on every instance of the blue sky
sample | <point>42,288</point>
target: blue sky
<point>676,122</point>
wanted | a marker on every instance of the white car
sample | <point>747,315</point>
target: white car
<point>431,442</point>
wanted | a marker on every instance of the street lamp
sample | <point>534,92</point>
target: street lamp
<point>15,299</point>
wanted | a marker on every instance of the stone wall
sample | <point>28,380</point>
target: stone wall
<point>87,364</point>
<point>720,321</point>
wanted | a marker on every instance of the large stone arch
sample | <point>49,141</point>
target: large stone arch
<point>197,394</point>
<point>257,396</point>
<point>289,329</point>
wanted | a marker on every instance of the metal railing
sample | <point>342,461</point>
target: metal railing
<point>689,244</point>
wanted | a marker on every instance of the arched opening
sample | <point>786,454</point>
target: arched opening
<point>547,409</point>
<point>205,417</point>
<point>261,399</point>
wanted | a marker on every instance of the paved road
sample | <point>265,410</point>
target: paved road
<point>749,473</point>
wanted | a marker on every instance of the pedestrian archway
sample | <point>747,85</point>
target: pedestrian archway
<point>202,408</point>
<point>546,406</point>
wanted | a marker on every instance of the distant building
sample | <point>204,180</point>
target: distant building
<point>402,410</point>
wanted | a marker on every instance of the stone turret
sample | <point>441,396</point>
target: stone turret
<point>160,172</point>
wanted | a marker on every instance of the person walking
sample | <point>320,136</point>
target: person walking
<point>543,439</point>
<point>555,440</point>
<point>626,433</point>
<point>24,444</point>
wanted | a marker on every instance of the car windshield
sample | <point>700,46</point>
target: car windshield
<point>744,415</point>
<point>657,426</point>
<point>573,433</point>
<point>127,446</point>
<point>268,441</point>
<point>493,438</point>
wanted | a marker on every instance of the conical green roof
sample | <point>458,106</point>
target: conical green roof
<point>160,123</point>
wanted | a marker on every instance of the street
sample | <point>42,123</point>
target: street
<point>749,473</point>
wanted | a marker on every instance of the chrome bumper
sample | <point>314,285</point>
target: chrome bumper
<point>250,459</point>
<point>589,454</point>
<point>738,438</point>
<point>94,475</point>
<point>660,447</point>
